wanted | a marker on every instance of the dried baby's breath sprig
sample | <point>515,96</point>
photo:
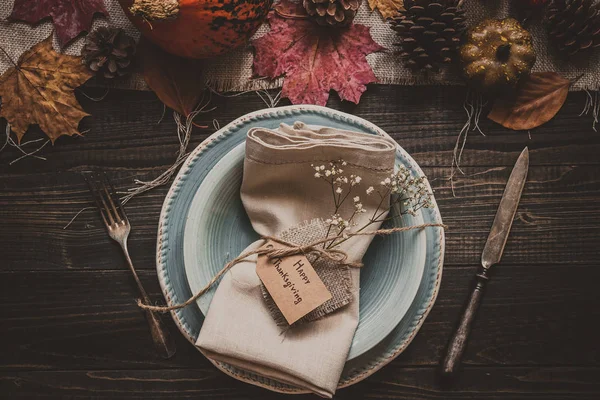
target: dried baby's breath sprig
<point>342,186</point>
<point>412,193</point>
<point>409,192</point>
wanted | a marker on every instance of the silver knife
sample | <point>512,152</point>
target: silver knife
<point>492,253</point>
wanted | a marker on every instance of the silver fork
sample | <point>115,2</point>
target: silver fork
<point>118,227</point>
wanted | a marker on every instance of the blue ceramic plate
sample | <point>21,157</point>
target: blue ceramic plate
<point>203,225</point>
<point>217,230</point>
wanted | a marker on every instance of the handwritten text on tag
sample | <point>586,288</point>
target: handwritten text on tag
<point>293,283</point>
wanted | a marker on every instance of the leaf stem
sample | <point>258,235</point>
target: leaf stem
<point>9,58</point>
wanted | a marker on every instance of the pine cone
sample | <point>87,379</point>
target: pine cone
<point>430,33</point>
<point>332,12</point>
<point>108,51</point>
<point>574,25</point>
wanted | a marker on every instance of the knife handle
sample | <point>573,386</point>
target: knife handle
<point>458,343</point>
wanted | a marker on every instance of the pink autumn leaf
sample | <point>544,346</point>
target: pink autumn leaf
<point>315,59</point>
<point>69,17</point>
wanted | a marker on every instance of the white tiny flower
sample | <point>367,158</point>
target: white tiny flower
<point>370,190</point>
<point>338,190</point>
<point>317,175</point>
<point>357,179</point>
<point>327,173</point>
<point>344,163</point>
<point>387,181</point>
<point>356,199</point>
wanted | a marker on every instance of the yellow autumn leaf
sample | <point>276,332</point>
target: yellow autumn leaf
<point>387,8</point>
<point>39,89</point>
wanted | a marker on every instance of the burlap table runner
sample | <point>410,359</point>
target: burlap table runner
<point>234,71</point>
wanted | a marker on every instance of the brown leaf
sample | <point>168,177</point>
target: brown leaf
<point>387,8</point>
<point>537,100</point>
<point>177,81</point>
<point>39,89</point>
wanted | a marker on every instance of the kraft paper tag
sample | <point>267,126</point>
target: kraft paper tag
<point>293,284</point>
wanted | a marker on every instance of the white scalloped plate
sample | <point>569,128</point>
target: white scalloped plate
<point>186,219</point>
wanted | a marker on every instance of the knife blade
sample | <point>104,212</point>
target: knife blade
<point>492,253</point>
<point>494,247</point>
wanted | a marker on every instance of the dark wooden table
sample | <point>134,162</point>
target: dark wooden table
<point>69,327</point>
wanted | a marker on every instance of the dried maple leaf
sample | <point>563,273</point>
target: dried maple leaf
<point>70,17</point>
<point>387,8</point>
<point>39,89</point>
<point>537,100</point>
<point>177,81</point>
<point>314,59</point>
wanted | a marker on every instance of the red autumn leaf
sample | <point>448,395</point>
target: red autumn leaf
<point>70,17</point>
<point>315,59</point>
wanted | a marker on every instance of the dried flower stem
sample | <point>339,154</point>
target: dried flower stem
<point>592,104</point>
<point>184,130</point>
<point>10,142</point>
<point>401,187</point>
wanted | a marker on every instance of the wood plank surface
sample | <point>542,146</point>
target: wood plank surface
<point>70,327</point>
<point>558,205</point>
<point>87,319</point>
<point>490,383</point>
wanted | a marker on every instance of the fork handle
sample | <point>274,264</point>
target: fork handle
<point>161,337</point>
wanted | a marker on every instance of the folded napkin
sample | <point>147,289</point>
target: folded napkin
<point>279,192</point>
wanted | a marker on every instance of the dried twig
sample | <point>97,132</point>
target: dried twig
<point>473,106</point>
<point>184,131</point>
<point>10,142</point>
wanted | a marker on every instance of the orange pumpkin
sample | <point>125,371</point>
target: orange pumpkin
<point>197,28</point>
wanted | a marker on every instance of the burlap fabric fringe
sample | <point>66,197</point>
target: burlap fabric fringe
<point>233,71</point>
<point>338,257</point>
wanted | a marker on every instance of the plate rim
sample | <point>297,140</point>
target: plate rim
<point>289,111</point>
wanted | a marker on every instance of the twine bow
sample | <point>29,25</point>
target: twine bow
<point>337,256</point>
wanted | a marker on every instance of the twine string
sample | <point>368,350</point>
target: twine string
<point>339,257</point>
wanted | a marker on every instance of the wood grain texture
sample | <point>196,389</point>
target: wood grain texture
<point>558,203</point>
<point>80,319</point>
<point>512,383</point>
<point>124,131</point>
<point>70,327</point>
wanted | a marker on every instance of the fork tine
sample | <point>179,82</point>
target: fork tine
<point>113,209</point>
<point>110,215</point>
<point>115,198</point>
<point>89,178</point>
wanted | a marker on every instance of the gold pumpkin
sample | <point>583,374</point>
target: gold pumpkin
<point>497,54</point>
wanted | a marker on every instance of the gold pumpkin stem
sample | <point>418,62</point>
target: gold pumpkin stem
<point>155,10</point>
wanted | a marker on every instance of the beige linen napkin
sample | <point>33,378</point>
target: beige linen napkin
<point>279,191</point>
